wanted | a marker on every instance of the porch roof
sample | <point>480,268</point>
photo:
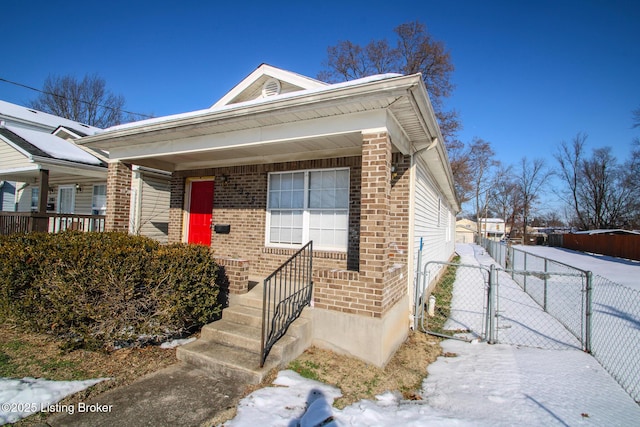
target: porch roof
<point>42,150</point>
<point>319,122</point>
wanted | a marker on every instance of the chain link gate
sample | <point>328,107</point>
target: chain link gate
<point>543,309</point>
<point>534,302</point>
<point>452,301</point>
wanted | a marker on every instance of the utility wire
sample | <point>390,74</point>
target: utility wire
<point>70,99</point>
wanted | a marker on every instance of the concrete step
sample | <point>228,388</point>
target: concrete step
<point>244,315</point>
<point>249,315</point>
<point>250,299</point>
<point>250,337</point>
<point>233,343</point>
<point>231,362</point>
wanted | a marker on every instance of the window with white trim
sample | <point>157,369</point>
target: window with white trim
<point>308,205</point>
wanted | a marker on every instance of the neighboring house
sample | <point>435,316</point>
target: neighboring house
<point>38,148</point>
<point>45,173</point>
<point>492,228</point>
<point>359,167</point>
<point>466,231</point>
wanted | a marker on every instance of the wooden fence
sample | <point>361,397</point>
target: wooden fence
<point>617,245</point>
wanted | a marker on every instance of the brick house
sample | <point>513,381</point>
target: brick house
<point>358,167</point>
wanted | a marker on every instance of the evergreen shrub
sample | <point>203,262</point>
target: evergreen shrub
<point>100,290</point>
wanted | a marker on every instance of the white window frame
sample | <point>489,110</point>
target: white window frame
<point>306,212</point>
<point>62,188</point>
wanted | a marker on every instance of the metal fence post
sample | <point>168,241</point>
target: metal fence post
<point>512,260</point>
<point>417,295</point>
<point>524,278</point>
<point>491,306</point>
<point>587,327</point>
<point>544,302</point>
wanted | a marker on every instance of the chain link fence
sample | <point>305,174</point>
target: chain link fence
<point>602,316</point>
<point>452,300</point>
<point>615,332</point>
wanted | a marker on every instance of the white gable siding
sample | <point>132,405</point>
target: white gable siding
<point>12,158</point>
<point>433,221</point>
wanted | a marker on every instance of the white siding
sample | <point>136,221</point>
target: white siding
<point>83,196</point>
<point>154,209</point>
<point>12,158</point>
<point>8,196</point>
<point>434,220</point>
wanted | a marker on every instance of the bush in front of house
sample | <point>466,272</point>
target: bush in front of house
<point>99,290</point>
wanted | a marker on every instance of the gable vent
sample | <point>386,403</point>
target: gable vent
<point>271,88</point>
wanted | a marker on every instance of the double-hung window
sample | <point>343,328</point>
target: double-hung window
<point>309,205</point>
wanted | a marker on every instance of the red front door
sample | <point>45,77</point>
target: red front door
<point>200,212</point>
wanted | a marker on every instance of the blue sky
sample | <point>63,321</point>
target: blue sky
<point>528,74</point>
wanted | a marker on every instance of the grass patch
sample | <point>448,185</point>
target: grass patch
<point>27,354</point>
<point>359,380</point>
<point>443,292</point>
<point>306,368</point>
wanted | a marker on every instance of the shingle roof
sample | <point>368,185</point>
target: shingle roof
<point>23,143</point>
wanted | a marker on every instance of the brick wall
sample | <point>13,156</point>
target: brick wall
<point>240,200</point>
<point>399,207</point>
<point>118,197</point>
<point>176,205</point>
<point>371,277</point>
<point>384,231</point>
<point>233,275</point>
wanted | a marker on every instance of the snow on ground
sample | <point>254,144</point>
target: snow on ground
<point>622,271</point>
<point>21,398</point>
<point>176,343</point>
<point>483,385</point>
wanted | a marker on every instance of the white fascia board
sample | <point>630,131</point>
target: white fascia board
<point>72,168</point>
<point>325,126</point>
<point>25,174</point>
<point>442,167</point>
<point>152,171</point>
<point>294,100</point>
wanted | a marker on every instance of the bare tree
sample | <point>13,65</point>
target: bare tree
<point>631,173</point>
<point>87,101</point>
<point>415,51</point>
<point>506,200</point>
<point>532,177</point>
<point>459,160</point>
<point>482,166</point>
<point>601,192</point>
<point>570,158</point>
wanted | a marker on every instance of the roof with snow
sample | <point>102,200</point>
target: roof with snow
<point>46,145</point>
<point>492,220</point>
<point>238,98</point>
<point>28,117</point>
<point>611,231</point>
<point>274,115</point>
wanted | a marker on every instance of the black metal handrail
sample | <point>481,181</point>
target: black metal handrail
<point>286,292</point>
